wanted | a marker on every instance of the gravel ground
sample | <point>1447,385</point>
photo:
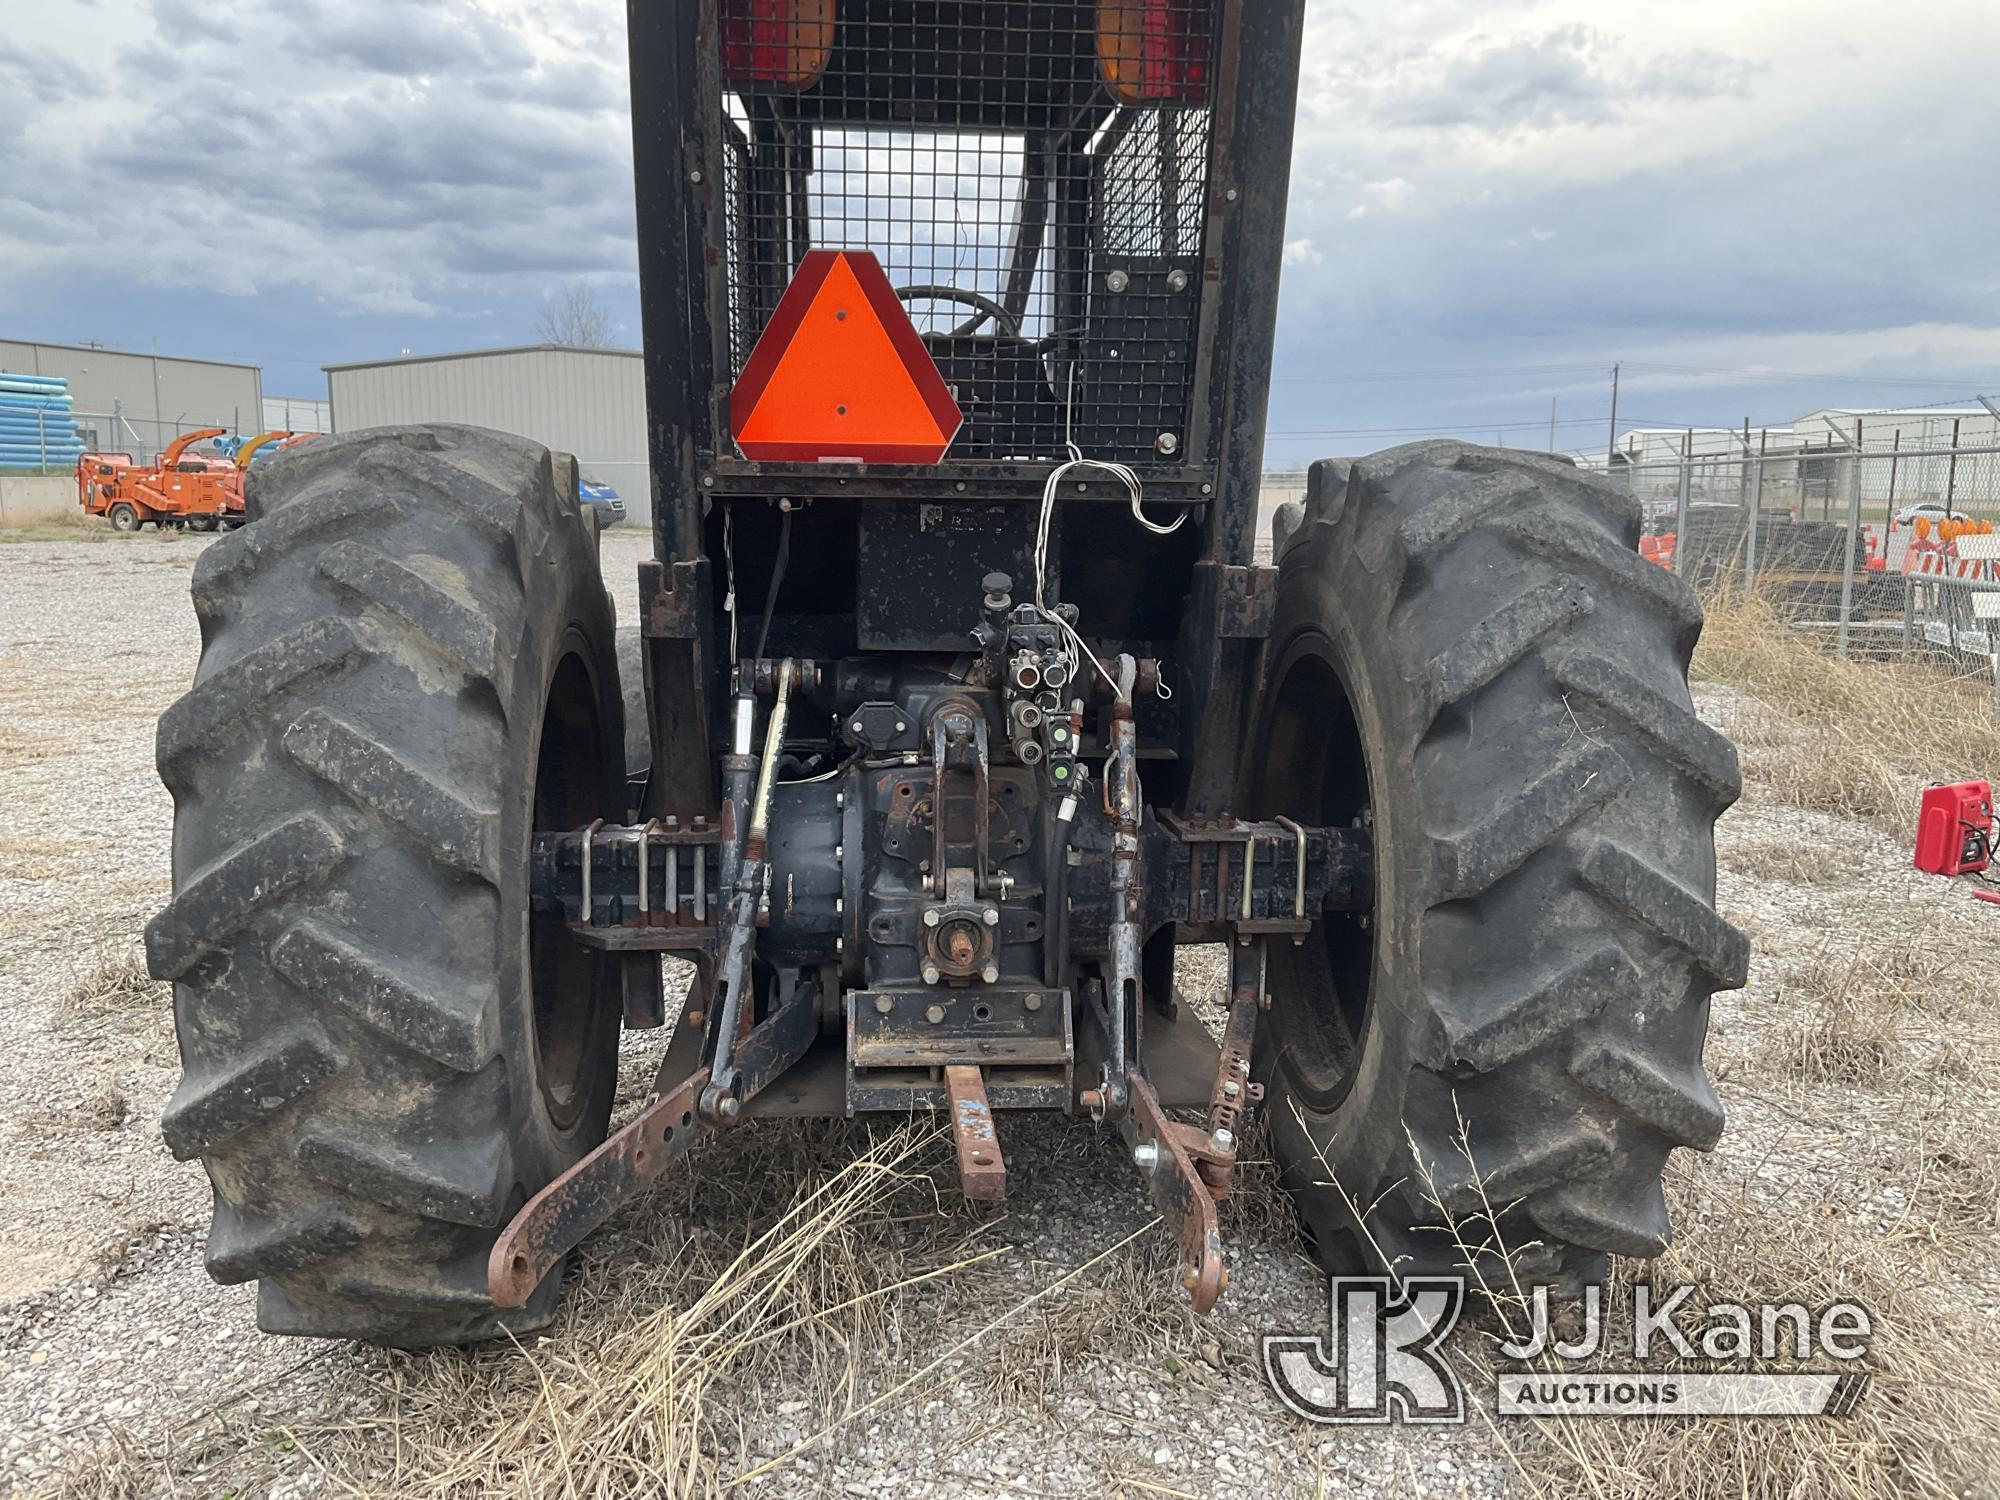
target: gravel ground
<point>124,1370</point>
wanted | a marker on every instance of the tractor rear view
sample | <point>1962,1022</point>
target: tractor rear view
<point>967,704</point>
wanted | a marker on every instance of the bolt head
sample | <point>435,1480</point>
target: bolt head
<point>730,1108</point>
<point>1231,1089</point>
<point>883,1005</point>
<point>1117,281</point>
<point>901,726</point>
<point>930,916</point>
<point>1146,1155</point>
<point>935,1015</point>
<point>991,916</point>
<point>991,973</point>
<point>930,974</point>
<point>1033,1002</point>
<point>1223,1140</point>
<point>855,726</point>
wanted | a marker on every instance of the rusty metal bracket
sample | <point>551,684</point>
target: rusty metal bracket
<point>1161,1150</point>
<point>556,1219</point>
<point>673,597</point>
<point>1249,601</point>
<point>981,1172</point>
<point>1234,1094</point>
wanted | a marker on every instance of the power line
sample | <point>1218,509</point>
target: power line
<point>1541,426</point>
<point>1745,372</point>
<point>1759,373</point>
<point>1353,375</point>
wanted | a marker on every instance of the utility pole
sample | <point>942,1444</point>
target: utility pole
<point>1611,443</point>
<point>1552,424</point>
<point>1743,489</point>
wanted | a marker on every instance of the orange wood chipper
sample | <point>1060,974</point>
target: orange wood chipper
<point>183,489</point>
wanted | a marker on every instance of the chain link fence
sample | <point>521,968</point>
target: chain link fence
<point>1873,533</point>
<point>146,438</point>
<point>1884,545</point>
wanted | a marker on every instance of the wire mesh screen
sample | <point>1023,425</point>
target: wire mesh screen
<point>1033,178</point>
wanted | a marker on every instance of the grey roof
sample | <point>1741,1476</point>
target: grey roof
<point>178,359</point>
<point>425,359</point>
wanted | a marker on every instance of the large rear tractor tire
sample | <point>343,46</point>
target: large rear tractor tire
<point>1470,658</point>
<point>407,667</point>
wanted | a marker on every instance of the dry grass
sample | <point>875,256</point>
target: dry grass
<point>757,1310</point>
<point>1877,729</point>
<point>1928,1428</point>
<point>1134,1314</point>
<point>61,526</point>
<point>102,1108</point>
<point>115,984</point>
<point>1797,862</point>
<point>35,856</point>
<point>1953,1172</point>
<point>1877,1012</point>
<point>22,747</point>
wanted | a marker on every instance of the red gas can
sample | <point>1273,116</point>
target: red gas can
<point>1955,828</point>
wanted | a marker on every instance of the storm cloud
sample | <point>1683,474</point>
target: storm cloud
<point>1716,194</point>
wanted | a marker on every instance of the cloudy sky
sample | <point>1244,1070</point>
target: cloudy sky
<point>1759,207</point>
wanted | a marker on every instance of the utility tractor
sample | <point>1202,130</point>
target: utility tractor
<point>967,702</point>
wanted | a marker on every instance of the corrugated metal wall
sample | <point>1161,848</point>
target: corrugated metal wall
<point>159,397</point>
<point>589,402</point>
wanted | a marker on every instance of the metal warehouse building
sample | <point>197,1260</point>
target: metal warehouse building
<point>589,402</point>
<point>139,403</point>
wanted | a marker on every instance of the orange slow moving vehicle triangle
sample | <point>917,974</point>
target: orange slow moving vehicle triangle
<point>839,374</point>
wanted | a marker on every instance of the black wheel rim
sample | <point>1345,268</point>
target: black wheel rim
<point>564,975</point>
<point>1314,768</point>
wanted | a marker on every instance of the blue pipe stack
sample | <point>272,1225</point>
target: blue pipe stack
<point>36,429</point>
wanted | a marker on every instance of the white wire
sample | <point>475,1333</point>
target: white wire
<point>729,565</point>
<point>1125,476</point>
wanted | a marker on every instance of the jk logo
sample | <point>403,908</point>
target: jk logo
<point>1380,1358</point>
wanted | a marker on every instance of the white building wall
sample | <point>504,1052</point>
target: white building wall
<point>297,414</point>
<point>587,402</point>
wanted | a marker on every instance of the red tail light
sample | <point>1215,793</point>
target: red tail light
<point>784,42</point>
<point>1154,51</point>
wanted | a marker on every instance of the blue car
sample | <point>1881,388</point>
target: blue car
<point>602,499</point>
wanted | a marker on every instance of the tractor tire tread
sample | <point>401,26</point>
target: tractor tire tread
<point>338,997</point>
<point>1560,797</point>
